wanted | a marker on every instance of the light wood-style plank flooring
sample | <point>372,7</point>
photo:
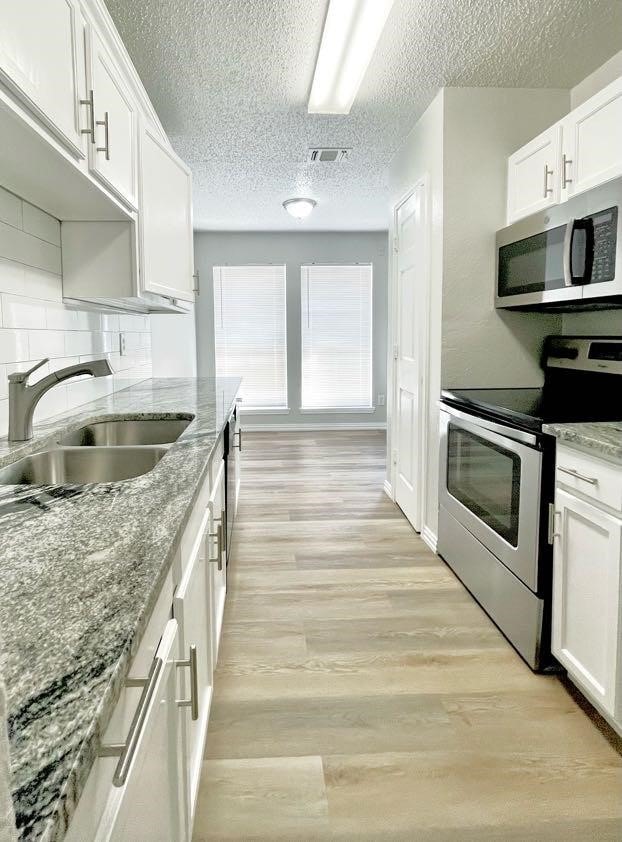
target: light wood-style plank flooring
<point>362,694</point>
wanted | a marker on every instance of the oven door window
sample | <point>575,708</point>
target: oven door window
<point>486,479</point>
<point>534,264</point>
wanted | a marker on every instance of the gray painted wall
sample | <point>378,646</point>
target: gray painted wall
<point>295,249</point>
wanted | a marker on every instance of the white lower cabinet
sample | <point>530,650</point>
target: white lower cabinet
<point>138,796</point>
<point>143,786</point>
<point>191,608</point>
<point>586,598</point>
<point>217,556</point>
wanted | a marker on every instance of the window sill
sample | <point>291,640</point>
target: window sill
<point>264,410</point>
<point>337,410</point>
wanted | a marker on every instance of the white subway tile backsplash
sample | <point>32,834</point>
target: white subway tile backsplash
<point>40,284</point>
<point>129,321</point>
<point>34,323</point>
<point>11,277</point>
<point>40,224</point>
<point>10,209</point>
<point>46,343</point>
<point>31,251</point>
<point>52,403</point>
<point>110,321</point>
<point>13,346</point>
<point>18,311</point>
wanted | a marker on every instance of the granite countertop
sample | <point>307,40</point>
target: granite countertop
<point>604,438</point>
<point>81,569</point>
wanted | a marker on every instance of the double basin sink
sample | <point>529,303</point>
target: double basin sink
<point>106,451</point>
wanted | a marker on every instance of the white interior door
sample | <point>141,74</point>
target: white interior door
<point>411,261</point>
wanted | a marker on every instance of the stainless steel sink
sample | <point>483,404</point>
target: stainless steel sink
<point>76,465</point>
<point>127,433</point>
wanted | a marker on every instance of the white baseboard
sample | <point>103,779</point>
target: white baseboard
<point>295,428</point>
<point>388,489</point>
<point>429,537</point>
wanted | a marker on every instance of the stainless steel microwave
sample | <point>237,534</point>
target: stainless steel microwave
<point>567,257</point>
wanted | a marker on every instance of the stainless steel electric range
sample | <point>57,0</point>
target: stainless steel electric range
<point>497,483</point>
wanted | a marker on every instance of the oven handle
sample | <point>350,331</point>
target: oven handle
<point>501,430</point>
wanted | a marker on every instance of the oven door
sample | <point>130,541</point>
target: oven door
<point>491,484</point>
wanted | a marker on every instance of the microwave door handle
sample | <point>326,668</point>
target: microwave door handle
<point>568,237</point>
<point>574,225</point>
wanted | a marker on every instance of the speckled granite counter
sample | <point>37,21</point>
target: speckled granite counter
<point>81,567</point>
<point>602,438</point>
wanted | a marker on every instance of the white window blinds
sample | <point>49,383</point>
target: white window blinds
<point>250,331</point>
<point>336,336</point>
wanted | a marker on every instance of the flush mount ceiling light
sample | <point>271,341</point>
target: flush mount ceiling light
<point>299,208</point>
<point>351,32</point>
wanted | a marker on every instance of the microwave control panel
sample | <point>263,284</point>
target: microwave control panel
<point>605,236</point>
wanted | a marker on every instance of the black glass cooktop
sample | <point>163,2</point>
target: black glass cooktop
<point>571,401</point>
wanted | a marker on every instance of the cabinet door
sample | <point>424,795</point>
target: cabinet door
<point>191,609</point>
<point>113,155</point>
<point>592,143</point>
<point>217,557</point>
<point>533,175</point>
<point>165,220</point>
<point>586,597</point>
<point>148,805</point>
<point>39,62</point>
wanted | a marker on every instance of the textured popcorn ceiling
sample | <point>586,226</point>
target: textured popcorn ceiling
<point>230,81</point>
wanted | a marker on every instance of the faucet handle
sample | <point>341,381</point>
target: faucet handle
<point>22,376</point>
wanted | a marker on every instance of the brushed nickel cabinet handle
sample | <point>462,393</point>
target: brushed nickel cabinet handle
<point>106,124</point>
<point>547,173</point>
<point>197,287</point>
<point>239,444</point>
<point>218,536</point>
<point>125,751</point>
<point>565,180</point>
<point>193,701</point>
<point>573,473</point>
<point>89,102</point>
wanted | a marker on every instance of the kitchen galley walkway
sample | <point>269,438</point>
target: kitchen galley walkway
<point>362,694</point>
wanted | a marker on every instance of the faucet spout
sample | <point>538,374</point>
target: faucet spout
<point>24,398</point>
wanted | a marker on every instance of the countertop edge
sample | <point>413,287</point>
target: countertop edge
<point>64,806</point>
<point>600,439</point>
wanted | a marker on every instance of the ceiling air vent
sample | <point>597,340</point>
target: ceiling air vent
<point>328,156</point>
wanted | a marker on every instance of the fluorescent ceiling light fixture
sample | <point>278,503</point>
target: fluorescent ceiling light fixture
<point>351,32</point>
<point>299,208</point>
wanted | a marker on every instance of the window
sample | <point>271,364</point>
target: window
<point>250,332</point>
<point>336,337</point>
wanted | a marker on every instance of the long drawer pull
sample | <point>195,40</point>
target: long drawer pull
<point>193,701</point>
<point>239,444</point>
<point>219,544</point>
<point>125,751</point>
<point>577,475</point>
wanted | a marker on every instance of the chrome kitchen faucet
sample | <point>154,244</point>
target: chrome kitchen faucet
<point>24,398</point>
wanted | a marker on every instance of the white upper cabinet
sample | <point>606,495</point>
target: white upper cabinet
<point>165,220</point>
<point>533,175</point>
<point>586,598</point>
<point>582,151</point>
<point>42,62</point>
<point>113,147</point>
<point>592,141</point>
